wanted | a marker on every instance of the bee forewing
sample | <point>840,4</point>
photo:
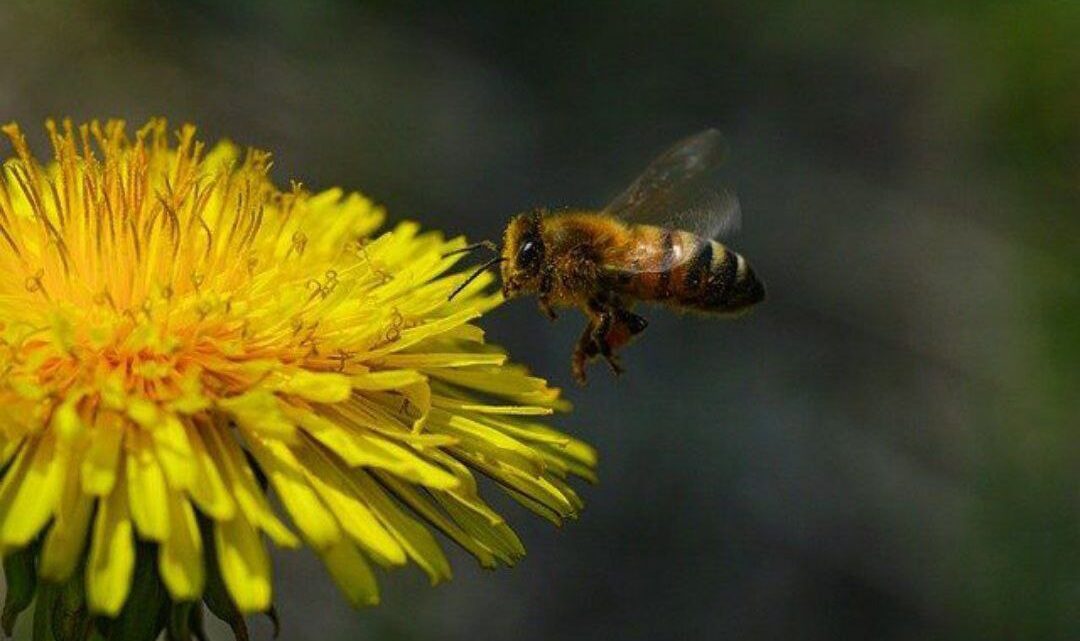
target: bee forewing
<point>670,192</point>
<point>708,213</point>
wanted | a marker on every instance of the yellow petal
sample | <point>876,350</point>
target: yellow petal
<point>487,441</point>
<point>466,481</point>
<point>340,496</point>
<point>259,411</point>
<point>575,456</point>
<point>509,410</point>
<point>416,539</point>
<point>572,496</point>
<point>100,462</point>
<point>66,420</point>
<point>210,493</point>
<point>180,558</point>
<point>310,515</point>
<point>148,495</point>
<point>454,359</point>
<point>66,539</point>
<point>390,379</point>
<point>191,399</point>
<point>468,333</point>
<point>535,507</point>
<point>419,397</point>
<point>351,573</point>
<point>319,387</point>
<point>423,506</point>
<point>537,488</point>
<point>174,452</point>
<point>143,412</point>
<point>112,555</point>
<point>12,480</point>
<point>494,380</point>
<point>359,449</point>
<point>495,536</point>
<point>245,566</point>
<point>414,335</point>
<point>244,488</point>
<point>37,495</point>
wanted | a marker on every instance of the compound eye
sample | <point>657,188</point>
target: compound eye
<point>529,254</point>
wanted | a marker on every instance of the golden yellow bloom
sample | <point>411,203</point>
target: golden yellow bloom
<point>178,337</point>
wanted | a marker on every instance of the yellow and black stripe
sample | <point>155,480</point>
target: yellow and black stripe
<point>718,279</point>
<point>685,270</point>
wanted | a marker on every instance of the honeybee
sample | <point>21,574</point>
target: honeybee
<point>653,243</point>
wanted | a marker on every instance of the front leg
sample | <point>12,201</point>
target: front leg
<point>547,284</point>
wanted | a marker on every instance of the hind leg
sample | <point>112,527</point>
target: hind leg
<point>610,328</point>
<point>616,329</point>
<point>605,336</point>
<point>586,350</point>
<point>629,324</point>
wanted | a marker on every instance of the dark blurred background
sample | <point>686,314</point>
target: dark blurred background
<point>887,449</point>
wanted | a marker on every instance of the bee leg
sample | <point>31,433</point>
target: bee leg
<point>615,327</point>
<point>587,348</point>
<point>547,283</point>
<point>604,338</point>
<point>614,364</point>
<point>547,310</point>
<point>633,323</point>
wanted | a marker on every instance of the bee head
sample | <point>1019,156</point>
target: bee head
<point>523,254</point>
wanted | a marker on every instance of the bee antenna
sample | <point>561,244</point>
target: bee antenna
<point>476,274</point>
<point>486,244</point>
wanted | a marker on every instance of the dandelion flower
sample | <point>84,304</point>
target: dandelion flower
<point>180,341</point>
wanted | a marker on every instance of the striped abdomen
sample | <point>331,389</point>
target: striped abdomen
<point>681,269</point>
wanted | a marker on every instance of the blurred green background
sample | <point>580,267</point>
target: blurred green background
<point>886,449</point>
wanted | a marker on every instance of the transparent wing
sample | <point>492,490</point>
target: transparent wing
<point>673,192</point>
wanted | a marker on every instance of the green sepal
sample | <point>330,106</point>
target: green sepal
<point>218,601</point>
<point>47,595</point>
<point>70,619</point>
<point>180,620</point>
<point>21,577</point>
